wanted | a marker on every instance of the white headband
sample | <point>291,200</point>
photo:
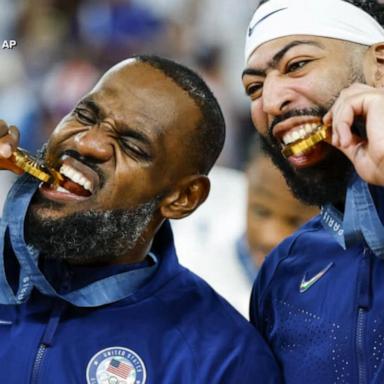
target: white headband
<point>327,18</point>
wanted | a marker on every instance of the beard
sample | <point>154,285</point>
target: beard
<point>326,181</point>
<point>91,237</point>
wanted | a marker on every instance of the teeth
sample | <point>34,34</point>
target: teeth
<point>61,189</point>
<point>299,132</point>
<point>76,176</point>
<point>88,186</point>
<point>308,128</point>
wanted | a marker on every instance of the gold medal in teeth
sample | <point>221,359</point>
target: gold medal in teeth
<point>32,166</point>
<point>303,145</point>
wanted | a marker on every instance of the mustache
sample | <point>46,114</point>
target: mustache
<point>318,111</point>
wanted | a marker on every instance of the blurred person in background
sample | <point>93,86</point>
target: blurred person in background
<point>206,241</point>
<point>111,28</point>
<point>12,87</point>
<point>273,213</point>
<point>94,255</point>
<point>208,62</point>
<point>244,217</point>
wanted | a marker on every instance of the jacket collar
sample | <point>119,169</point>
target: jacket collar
<point>121,285</point>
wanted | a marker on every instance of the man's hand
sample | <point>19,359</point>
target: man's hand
<point>9,140</point>
<point>367,155</point>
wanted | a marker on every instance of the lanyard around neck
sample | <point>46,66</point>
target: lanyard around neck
<point>360,221</point>
<point>100,292</point>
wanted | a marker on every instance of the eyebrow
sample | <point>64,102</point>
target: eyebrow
<point>92,105</point>
<point>125,130</point>
<point>129,132</point>
<point>277,57</point>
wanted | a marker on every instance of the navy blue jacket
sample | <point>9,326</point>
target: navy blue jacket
<point>333,330</point>
<point>173,329</point>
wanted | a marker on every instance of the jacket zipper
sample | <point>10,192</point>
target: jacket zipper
<point>47,340</point>
<point>50,330</point>
<point>361,366</point>
<point>364,304</point>
<point>37,364</point>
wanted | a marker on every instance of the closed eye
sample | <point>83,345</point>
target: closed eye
<point>134,150</point>
<point>84,116</point>
<point>260,211</point>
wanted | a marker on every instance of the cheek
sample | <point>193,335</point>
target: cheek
<point>61,134</point>
<point>321,91</point>
<point>127,189</point>
<point>255,229</point>
<point>253,237</point>
<point>63,126</point>
<point>259,117</point>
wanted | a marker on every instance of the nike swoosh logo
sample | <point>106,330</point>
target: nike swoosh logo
<point>306,284</point>
<point>251,29</point>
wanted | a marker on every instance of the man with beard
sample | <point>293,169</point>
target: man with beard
<point>318,299</point>
<point>90,287</point>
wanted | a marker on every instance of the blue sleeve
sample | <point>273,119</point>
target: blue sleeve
<point>247,359</point>
<point>263,281</point>
<point>262,368</point>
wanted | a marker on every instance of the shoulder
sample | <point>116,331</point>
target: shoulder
<point>222,342</point>
<point>310,239</point>
<point>310,233</point>
<point>190,294</point>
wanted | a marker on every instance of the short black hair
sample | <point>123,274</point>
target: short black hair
<point>205,146</point>
<point>372,7</point>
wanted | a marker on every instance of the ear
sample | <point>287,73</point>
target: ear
<point>375,65</point>
<point>189,193</point>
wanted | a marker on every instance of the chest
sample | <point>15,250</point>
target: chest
<point>324,317</point>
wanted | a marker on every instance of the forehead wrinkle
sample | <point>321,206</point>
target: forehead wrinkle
<point>158,109</point>
<point>279,55</point>
<point>134,112</point>
<point>139,122</point>
<point>89,102</point>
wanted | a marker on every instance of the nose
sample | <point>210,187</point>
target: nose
<point>95,143</point>
<point>277,94</point>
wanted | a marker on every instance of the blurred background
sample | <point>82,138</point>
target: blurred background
<point>62,49</point>
<point>64,46</point>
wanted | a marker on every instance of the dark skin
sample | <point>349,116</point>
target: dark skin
<point>126,136</point>
<point>298,72</point>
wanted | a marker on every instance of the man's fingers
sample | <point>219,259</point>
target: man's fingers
<point>3,128</point>
<point>5,151</point>
<point>14,132</point>
<point>9,139</point>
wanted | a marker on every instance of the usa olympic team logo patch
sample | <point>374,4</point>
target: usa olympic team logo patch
<point>116,365</point>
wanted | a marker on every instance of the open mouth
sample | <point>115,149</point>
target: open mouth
<point>74,182</point>
<point>300,132</point>
<point>301,141</point>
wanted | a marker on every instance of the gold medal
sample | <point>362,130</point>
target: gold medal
<point>31,165</point>
<point>307,143</point>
